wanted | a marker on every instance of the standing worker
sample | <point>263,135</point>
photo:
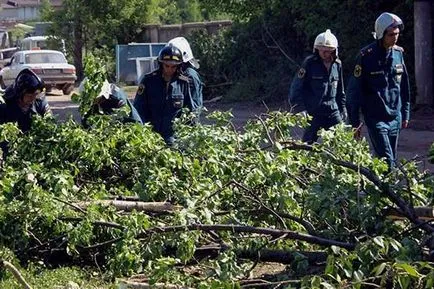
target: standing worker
<point>380,87</point>
<point>163,93</point>
<point>318,87</point>
<point>189,68</point>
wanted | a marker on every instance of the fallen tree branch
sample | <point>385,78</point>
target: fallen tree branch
<point>251,230</point>
<point>307,225</point>
<point>16,273</point>
<point>128,206</point>
<point>282,256</point>
<point>95,223</point>
<point>407,210</point>
<point>424,213</point>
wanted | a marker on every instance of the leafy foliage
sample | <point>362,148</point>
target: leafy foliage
<point>237,191</point>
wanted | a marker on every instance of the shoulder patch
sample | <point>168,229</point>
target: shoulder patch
<point>357,70</point>
<point>301,72</point>
<point>141,89</point>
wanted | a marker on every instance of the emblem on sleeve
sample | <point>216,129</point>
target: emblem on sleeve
<point>141,89</point>
<point>357,71</point>
<point>301,72</point>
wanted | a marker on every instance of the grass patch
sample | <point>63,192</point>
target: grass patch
<point>42,278</point>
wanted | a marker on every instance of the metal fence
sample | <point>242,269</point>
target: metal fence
<point>136,59</point>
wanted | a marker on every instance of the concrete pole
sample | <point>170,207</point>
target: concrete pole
<point>423,45</point>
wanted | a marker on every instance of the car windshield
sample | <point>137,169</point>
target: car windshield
<point>45,58</point>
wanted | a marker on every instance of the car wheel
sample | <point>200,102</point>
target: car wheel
<point>67,89</point>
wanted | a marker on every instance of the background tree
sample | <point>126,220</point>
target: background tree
<point>271,38</point>
<point>96,25</point>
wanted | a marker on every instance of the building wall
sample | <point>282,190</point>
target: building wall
<point>155,33</point>
<point>21,13</point>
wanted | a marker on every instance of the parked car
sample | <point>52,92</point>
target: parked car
<point>50,65</point>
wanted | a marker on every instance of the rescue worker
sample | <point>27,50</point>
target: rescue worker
<point>111,101</point>
<point>318,87</point>
<point>380,87</point>
<point>24,99</point>
<point>162,94</point>
<point>189,68</point>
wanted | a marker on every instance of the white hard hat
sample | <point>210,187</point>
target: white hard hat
<point>384,21</point>
<point>326,39</point>
<point>187,55</point>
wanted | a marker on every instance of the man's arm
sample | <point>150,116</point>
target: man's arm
<point>340,95</point>
<point>295,98</point>
<point>405,97</point>
<point>195,89</point>
<point>355,94</point>
<point>140,103</point>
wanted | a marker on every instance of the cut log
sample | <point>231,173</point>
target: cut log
<point>128,206</point>
<point>424,213</point>
<point>141,282</point>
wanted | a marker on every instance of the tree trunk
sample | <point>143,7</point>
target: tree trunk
<point>423,52</point>
<point>78,48</point>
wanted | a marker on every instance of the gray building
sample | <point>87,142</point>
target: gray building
<point>23,10</point>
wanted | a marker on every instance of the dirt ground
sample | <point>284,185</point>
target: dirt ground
<point>414,142</point>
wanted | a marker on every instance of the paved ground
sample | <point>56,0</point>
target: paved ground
<point>414,141</point>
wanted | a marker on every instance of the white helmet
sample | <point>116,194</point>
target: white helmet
<point>384,21</point>
<point>187,54</point>
<point>326,39</point>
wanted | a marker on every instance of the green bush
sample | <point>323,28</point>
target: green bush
<point>261,51</point>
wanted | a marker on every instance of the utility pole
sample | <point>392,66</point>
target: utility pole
<point>423,44</point>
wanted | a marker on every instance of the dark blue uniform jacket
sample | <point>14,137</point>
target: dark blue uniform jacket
<point>159,102</point>
<point>11,112</point>
<point>317,90</point>
<point>379,86</point>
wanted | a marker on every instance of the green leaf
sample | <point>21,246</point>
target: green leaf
<point>409,269</point>
<point>327,285</point>
<point>378,270</point>
<point>379,241</point>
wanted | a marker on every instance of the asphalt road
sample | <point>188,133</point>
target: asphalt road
<point>414,142</point>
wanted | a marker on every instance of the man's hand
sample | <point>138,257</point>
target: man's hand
<point>358,132</point>
<point>344,115</point>
<point>404,124</point>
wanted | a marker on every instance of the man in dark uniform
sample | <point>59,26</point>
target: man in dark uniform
<point>22,100</point>
<point>318,87</point>
<point>380,88</point>
<point>111,101</point>
<point>163,93</point>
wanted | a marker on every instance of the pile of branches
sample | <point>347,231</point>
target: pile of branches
<point>209,211</point>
